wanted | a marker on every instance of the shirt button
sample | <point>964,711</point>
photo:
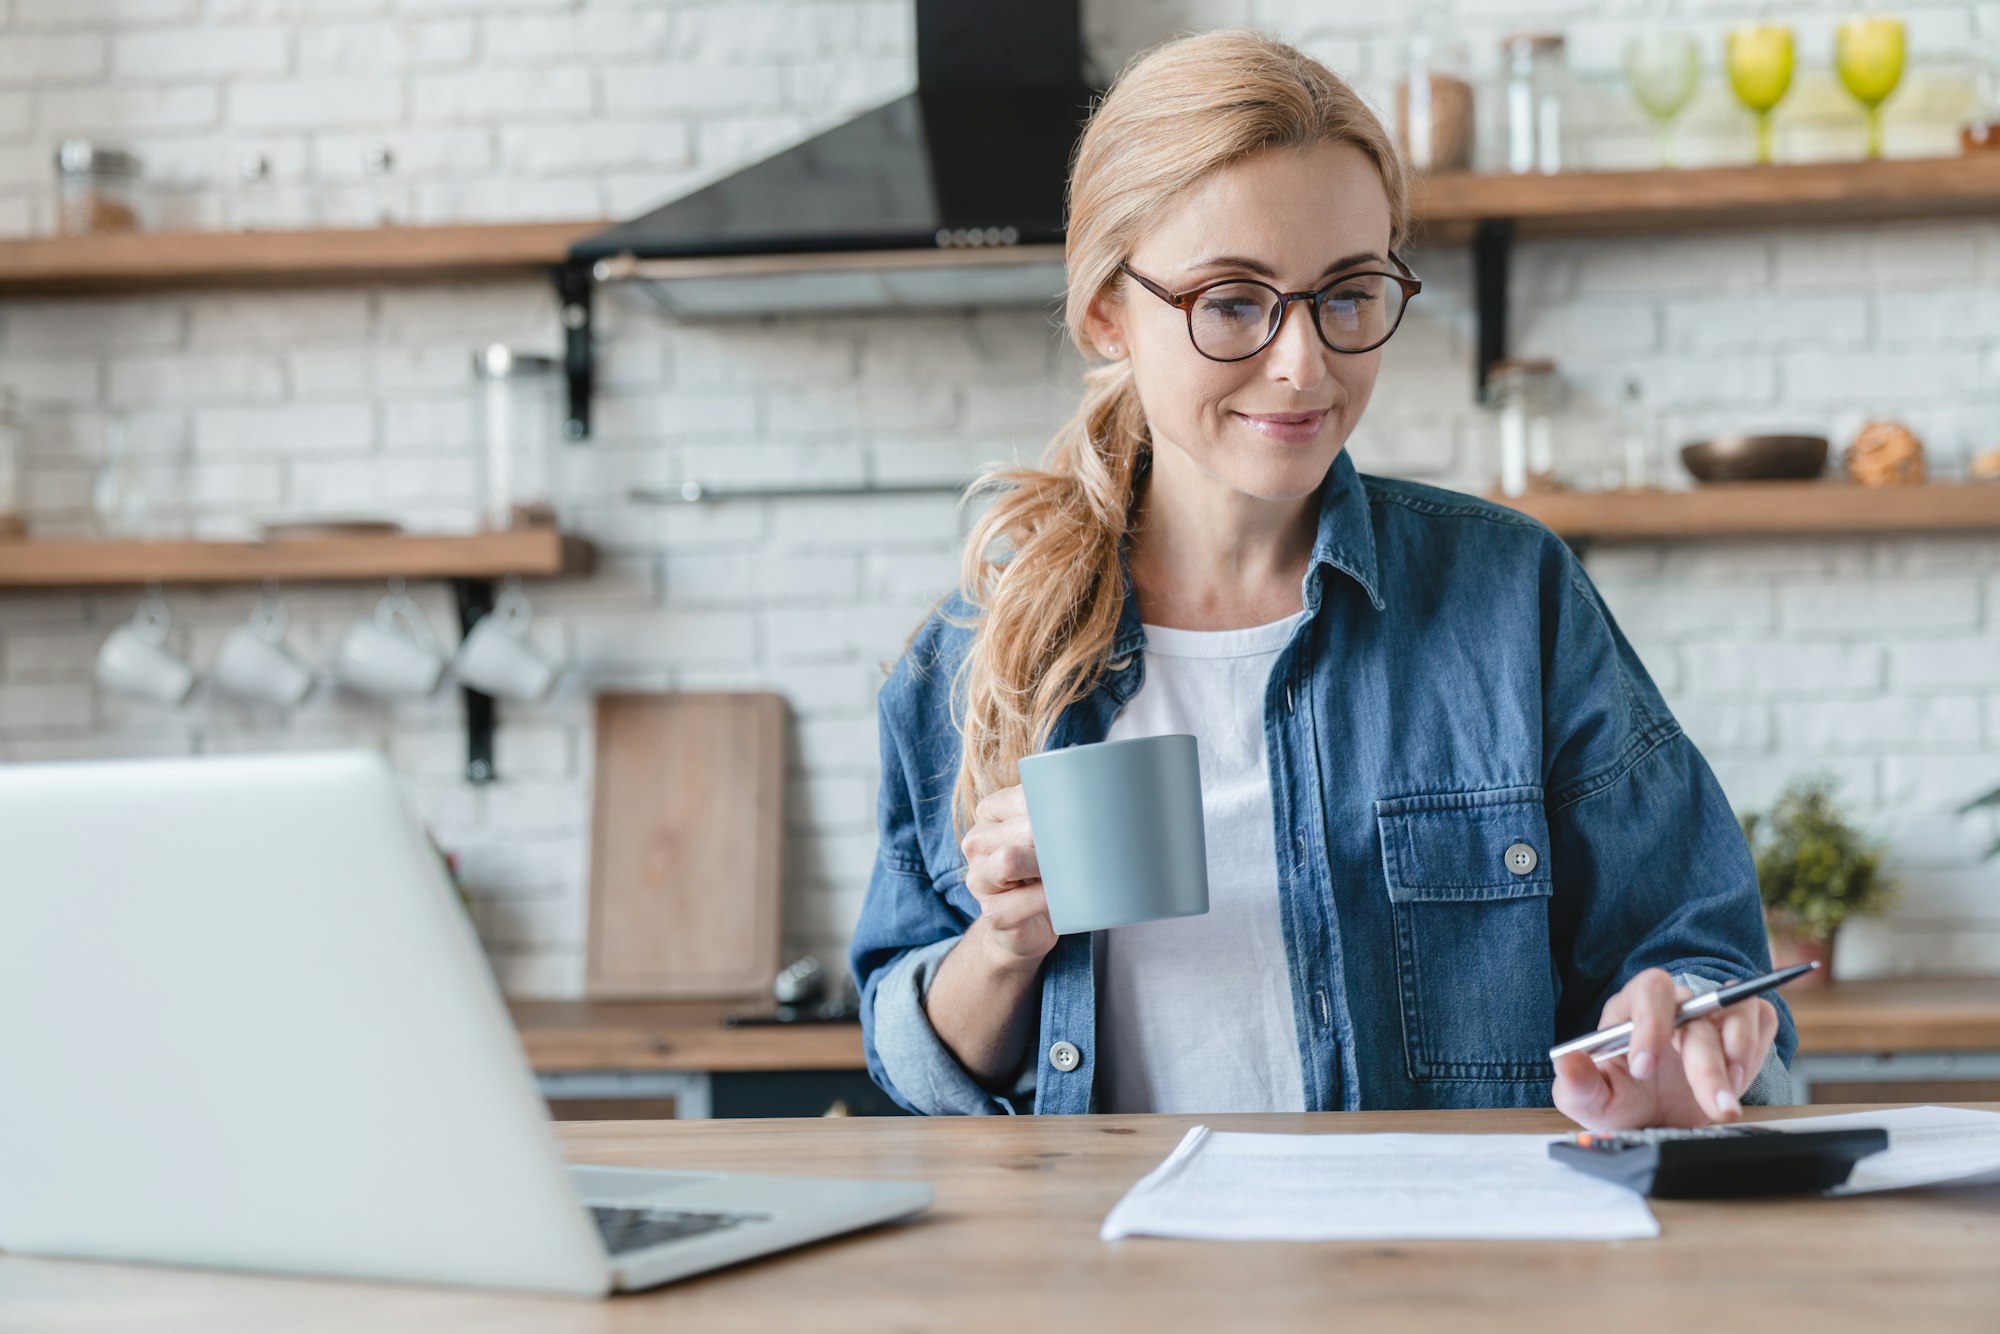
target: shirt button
<point>1065,1057</point>
<point>1522,859</point>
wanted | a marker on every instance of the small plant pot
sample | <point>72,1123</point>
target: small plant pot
<point>1788,949</point>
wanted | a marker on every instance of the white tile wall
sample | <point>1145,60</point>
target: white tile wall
<point>1876,659</point>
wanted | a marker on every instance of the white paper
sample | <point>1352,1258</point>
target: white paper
<point>1928,1146</point>
<point>1248,1187</point>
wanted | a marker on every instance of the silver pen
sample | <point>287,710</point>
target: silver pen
<point>1606,1043</point>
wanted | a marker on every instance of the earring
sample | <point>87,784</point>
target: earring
<point>1112,350</point>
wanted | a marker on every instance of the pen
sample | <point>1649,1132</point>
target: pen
<point>1606,1043</point>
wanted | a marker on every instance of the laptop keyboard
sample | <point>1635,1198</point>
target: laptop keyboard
<point>626,1230</point>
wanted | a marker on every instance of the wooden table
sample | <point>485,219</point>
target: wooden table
<point>1011,1245</point>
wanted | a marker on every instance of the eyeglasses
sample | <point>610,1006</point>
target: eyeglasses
<point>1236,318</point>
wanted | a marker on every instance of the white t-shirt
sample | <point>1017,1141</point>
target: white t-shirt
<point>1195,1014</point>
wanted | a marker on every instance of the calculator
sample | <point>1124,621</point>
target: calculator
<point>1715,1162</point>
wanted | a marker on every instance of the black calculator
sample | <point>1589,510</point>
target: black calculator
<point>1715,1162</point>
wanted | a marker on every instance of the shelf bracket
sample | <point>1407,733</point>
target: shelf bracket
<point>574,289</point>
<point>475,599</point>
<point>1492,247</point>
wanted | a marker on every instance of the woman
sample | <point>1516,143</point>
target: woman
<point>1450,820</point>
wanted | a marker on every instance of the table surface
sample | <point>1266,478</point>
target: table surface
<point>1011,1245</point>
<point>1891,1014</point>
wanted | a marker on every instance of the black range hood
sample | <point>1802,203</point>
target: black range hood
<point>950,195</point>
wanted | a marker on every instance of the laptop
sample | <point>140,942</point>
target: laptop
<point>247,1025</point>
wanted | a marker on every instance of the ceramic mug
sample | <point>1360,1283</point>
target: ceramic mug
<point>255,663</point>
<point>1118,831</point>
<point>391,652</point>
<point>136,660</point>
<point>495,657</point>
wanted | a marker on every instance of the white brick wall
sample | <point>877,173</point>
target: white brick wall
<point>1875,659</point>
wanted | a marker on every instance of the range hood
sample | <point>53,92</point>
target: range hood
<point>951,195</point>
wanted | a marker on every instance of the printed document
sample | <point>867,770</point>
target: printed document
<point>1928,1146</point>
<point>1251,1187</point>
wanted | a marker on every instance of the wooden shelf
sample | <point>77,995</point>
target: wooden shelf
<point>1753,509</point>
<point>1450,205</point>
<point>167,261</point>
<point>72,564</point>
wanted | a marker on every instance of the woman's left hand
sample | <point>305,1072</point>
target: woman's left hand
<point>1686,1076</point>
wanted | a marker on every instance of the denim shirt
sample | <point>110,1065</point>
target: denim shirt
<point>1487,821</point>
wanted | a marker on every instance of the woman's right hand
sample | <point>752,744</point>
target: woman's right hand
<point>1002,873</point>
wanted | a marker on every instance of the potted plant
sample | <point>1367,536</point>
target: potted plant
<point>1815,870</point>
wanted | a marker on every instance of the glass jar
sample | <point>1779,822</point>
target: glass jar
<point>1524,396</point>
<point>13,487</point>
<point>520,427</point>
<point>1434,117</point>
<point>141,490</point>
<point>97,189</point>
<point>1534,70</point>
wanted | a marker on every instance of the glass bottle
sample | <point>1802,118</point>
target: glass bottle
<point>140,492</point>
<point>1524,395</point>
<point>13,448</point>
<point>257,203</point>
<point>1982,130</point>
<point>519,431</point>
<point>1535,75</point>
<point>1637,466</point>
<point>387,205</point>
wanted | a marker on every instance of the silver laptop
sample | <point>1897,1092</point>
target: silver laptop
<point>245,1024</point>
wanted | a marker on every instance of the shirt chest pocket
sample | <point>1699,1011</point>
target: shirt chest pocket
<point>1469,884</point>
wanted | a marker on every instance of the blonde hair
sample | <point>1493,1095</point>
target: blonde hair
<point>1042,567</point>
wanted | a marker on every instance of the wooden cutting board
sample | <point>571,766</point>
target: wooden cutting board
<point>687,845</point>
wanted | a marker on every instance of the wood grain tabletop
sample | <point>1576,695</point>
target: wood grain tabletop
<point>1011,1245</point>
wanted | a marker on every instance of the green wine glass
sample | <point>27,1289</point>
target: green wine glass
<point>1663,69</point>
<point>1868,53</point>
<point>1759,58</point>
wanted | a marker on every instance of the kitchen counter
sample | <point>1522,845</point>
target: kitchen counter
<point>675,1035</point>
<point>1908,1037</point>
<point>1901,1014</point>
<point>1928,1039</point>
<point>625,1060</point>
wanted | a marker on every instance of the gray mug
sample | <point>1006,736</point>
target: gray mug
<point>1118,832</point>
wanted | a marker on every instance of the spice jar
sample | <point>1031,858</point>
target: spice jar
<point>1534,65</point>
<point>1524,395</point>
<point>519,428</point>
<point>13,498</point>
<point>1434,123</point>
<point>97,189</point>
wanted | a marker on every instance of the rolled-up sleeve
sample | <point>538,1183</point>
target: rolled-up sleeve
<point>1651,866</point>
<point>907,926</point>
<point>915,1064</point>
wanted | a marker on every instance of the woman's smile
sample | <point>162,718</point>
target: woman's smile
<point>1291,428</point>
